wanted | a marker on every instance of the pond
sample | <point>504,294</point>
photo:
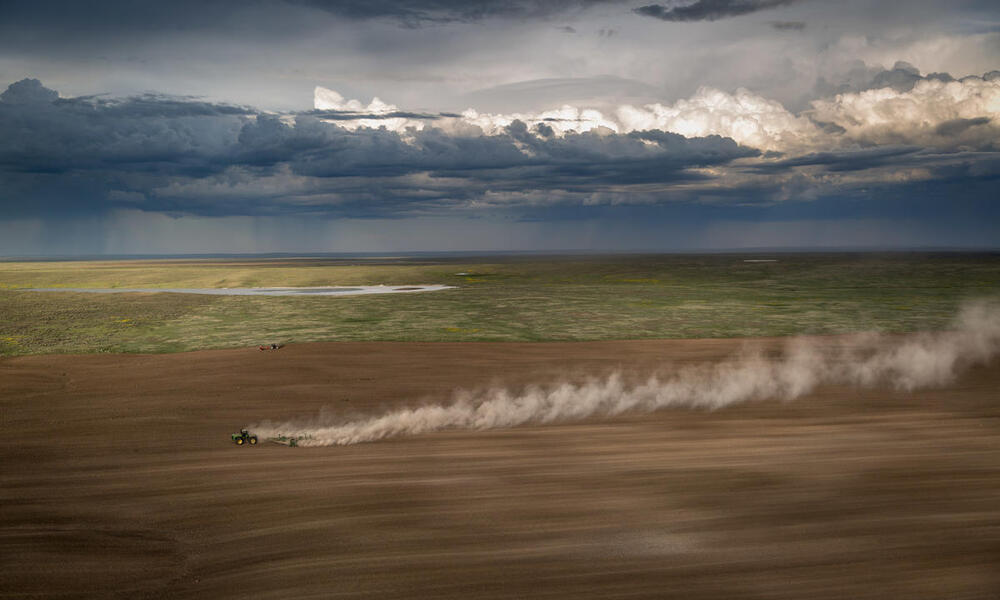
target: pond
<point>268,291</point>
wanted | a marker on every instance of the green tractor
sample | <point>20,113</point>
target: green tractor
<point>244,437</point>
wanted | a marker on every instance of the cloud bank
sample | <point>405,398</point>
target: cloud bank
<point>167,154</point>
<point>935,111</point>
<point>372,159</point>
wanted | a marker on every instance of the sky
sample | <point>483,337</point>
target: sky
<point>254,126</point>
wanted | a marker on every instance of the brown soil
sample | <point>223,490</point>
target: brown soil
<point>118,479</point>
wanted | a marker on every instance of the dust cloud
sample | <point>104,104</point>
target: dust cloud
<point>864,360</point>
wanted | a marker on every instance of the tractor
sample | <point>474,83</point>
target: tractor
<point>244,437</point>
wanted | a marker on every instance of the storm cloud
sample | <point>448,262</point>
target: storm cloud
<point>186,156</point>
<point>488,114</point>
<point>708,10</point>
<point>181,155</point>
<point>421,12</point>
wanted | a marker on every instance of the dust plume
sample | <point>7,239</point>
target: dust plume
<point>865,360</point>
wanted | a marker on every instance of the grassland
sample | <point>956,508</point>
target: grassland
<point>496,299</point>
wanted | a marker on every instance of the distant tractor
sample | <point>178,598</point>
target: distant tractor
<point>244,437</point>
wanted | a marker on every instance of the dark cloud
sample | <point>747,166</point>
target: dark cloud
<point>28,91</point>
<point>41,133</point>
<point>956,127</point>
<point>69,26</point>
<point>417,12</point>
<point>842,160</point>
<point>194,15</point>
<point>183,156</point>
<point>788,25</point>
<point>544,130</point>
<point>908,174</point>
<point>709,10</point>
<point>902,77</point>
<point>519,159</point>
<point>165,154</point>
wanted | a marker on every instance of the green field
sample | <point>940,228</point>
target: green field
<point>496,299</point>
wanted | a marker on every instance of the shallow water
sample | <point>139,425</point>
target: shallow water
<point>269,291</point>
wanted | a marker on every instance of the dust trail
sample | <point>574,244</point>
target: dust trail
<point>865,360</point>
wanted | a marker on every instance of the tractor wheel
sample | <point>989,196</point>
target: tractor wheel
<point>252,440</point>
<point>239,441</point>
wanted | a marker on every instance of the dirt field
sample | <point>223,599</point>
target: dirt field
<point>119,480</point>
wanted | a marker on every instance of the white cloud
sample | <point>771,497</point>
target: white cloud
<point>327,99</point>
<point>933,113</point>
<point>748,118</point>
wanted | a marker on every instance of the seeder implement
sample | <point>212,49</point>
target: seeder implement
<point>285,440</point>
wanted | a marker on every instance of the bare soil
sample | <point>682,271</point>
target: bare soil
<point>119,479</point>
